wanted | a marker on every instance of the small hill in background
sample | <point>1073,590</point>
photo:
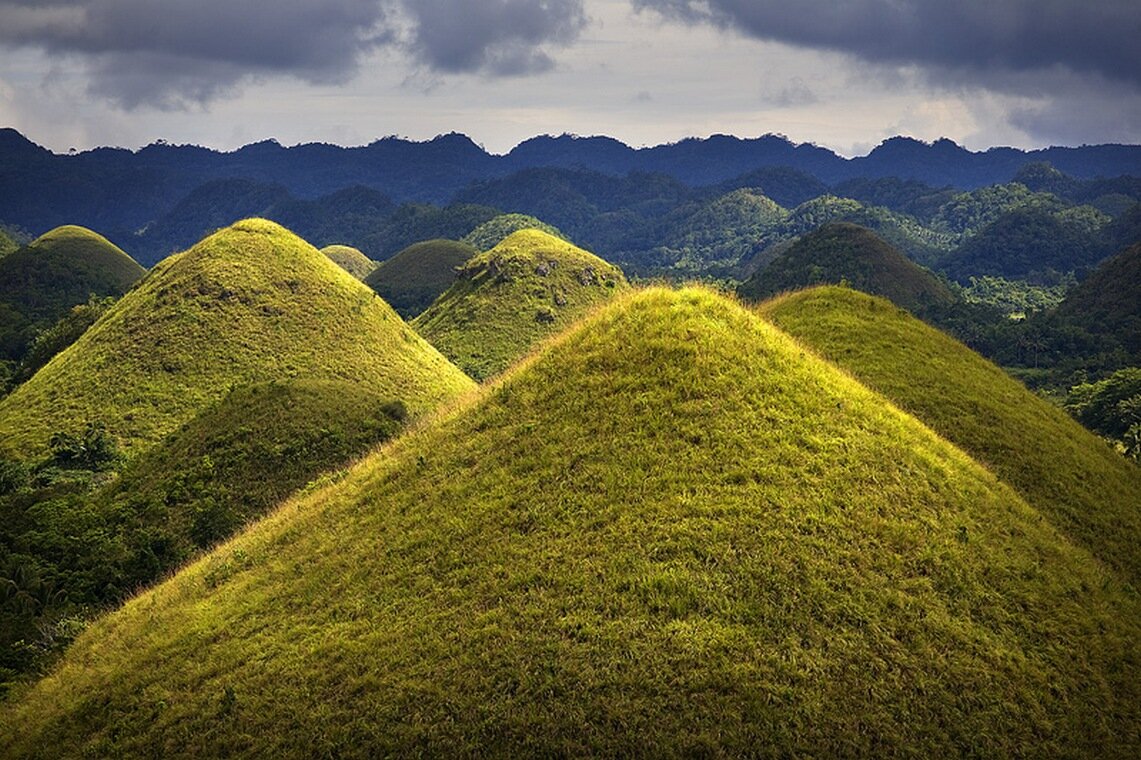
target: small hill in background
<point>40,282</point>
<point>840,252</point>
<point>416,276</point>
<point>673,532</point>
<point>492,232</point>
<point>505,300</point>
<point>350,259</point>
<point>1109,300</point>
<point>251,303</point>
<point>1065,472</point>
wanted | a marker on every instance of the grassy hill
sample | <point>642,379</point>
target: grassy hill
<point>841,251</point>
<point>492,232</point>
<point>672,532</point>
<point>7,244</point>
<point>248,304</point>
<point>41,281</point>
<point>506,300</point>
<point>350,259</point>
<point>1071,477</point>
<point>416,276</point>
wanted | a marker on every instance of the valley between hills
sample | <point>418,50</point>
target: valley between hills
<point>723,448</point>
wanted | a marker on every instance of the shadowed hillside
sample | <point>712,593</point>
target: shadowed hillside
<point>506,300</point>
<point>1109,300</point>
<point>250,303</point>
<point>416,276</point>
<point>350,259</point>
<point>1071,477</point>
<point>674,533</point>
<point>847,252</point>
<point>40,282</point>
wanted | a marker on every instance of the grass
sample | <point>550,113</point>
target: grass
<point>670,532</point>
<point>1069,475</point>
<point>530,286</point>
<point>417,275</point>
<point>251,303</point>
<point>847,252</point>
<point>350,259</point>
<point>492,232</point>
<point>41,281</point>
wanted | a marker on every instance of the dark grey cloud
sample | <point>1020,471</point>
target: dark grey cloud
<point>504,37</point>
<point>171,53</point>
<point>1085,36</point>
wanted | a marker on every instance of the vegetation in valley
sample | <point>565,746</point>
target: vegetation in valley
<point>843,252</point>
<point>673,531</point>
<point>74,541</point>
<point>505,300</point>
<point>412,279</point>
<point>1073,479</point>
<point>350,259</point>
<point>251,303</point>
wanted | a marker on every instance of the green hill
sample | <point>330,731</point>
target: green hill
<point>7,244</point>
<point>1066,473</point>
<point>492,232</point>
<point>671,533</point>
<point>40,282</point>
<point>847,252</point>
<point>250,303</point>
<point>506,300</point>
<point>416,276</point>
<point>1109,300</point>
<point>350,259</point>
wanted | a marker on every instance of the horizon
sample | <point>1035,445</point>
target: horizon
<point>82,74</point>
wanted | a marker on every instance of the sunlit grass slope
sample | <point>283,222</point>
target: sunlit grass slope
<point>492,232</point>
<point>250,303</point>
<point>506,300</point>
<point>848,252</point>
<point>417,275</point>
<point>350,259</point>
<point>1070,476</point>
<point>672,531</point>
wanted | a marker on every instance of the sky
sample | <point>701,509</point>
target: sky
<point>844,74</point>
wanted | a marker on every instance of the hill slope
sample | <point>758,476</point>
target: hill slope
<point>492,232</point>
<point>418,274</point>
<point>1109,300</point>
<point>1071,477</point>
<point>505,300</point>
<point>41,281</point>
<point>350,259</point>
<point>674,534</point>
<point>842,251</point>
<point>250,303</point>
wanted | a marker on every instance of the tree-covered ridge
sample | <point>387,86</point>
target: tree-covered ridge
<point>843,252</point>
<point>675,532</point>
<point>250,303</point>
<point>504,301</point>
<point>492,232</point>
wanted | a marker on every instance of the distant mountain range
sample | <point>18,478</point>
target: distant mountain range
<point>116,190</point>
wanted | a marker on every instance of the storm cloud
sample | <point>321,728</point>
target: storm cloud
<point>170,53</point>
<point>1089,37</point>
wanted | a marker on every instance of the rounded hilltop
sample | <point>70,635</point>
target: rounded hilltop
<point>672,532</point>
<point>416,276</point>
<point>250,303</point>
<point>350,259</point>
<point>505,300</point>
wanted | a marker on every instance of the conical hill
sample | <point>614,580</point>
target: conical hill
<point>41,281</point>
<point>669,532</point>
<point>1109,300</point>
<point>418,274</point>
<point>1067,473</point>
<point>350,259</point>
<point>250,303</point>
<point>505,300</point>
<point>848,252</point>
